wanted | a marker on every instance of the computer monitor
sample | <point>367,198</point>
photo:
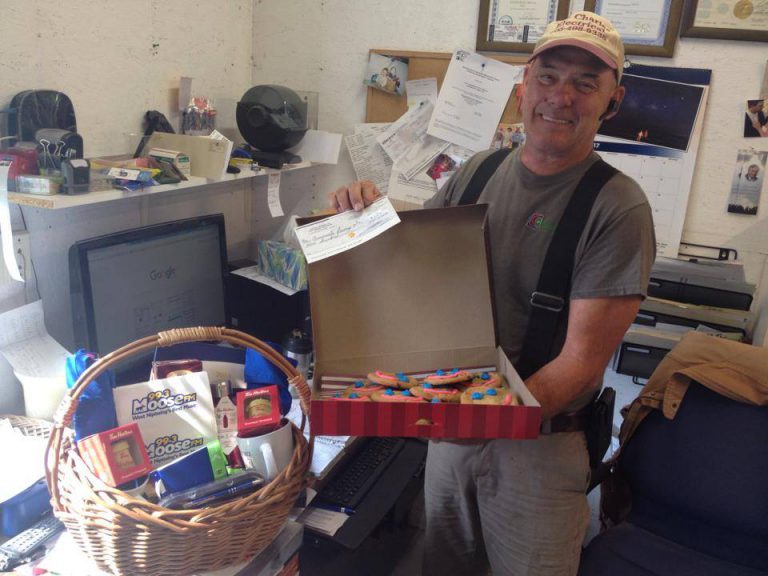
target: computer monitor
<point>135,283</point>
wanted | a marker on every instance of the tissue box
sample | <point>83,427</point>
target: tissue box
<point>414,299</point>
<point>284,264</point>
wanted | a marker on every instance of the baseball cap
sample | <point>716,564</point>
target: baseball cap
<point>588,31</point>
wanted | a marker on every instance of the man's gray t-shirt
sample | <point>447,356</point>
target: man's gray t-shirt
<point>614,255</point>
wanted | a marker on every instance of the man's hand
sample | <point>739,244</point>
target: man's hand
<point>355,196</point>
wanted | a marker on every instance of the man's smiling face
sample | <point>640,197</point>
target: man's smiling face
<point>566,90</point>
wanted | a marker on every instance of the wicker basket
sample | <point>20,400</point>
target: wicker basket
<point>125,535</point>
<point>29,426</point>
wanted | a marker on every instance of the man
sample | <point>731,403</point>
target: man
<point>755,121</point>
<point>518,505</point>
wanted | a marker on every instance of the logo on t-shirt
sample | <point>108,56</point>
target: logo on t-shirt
<point>536,221</point>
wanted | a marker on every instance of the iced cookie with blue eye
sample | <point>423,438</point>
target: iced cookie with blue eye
<point>446,377</point>
<point>488,395</point>
<point>489,379</point>
<point>442,393</point>
<point>393,379</point>
<point>362,388</point>
<point>390,395</point>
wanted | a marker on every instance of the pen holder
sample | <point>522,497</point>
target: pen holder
<point>125,535</point>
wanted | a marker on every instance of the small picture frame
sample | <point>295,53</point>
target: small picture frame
<point>512,26</point>
<point>647,27</point>
<point>726,20</point>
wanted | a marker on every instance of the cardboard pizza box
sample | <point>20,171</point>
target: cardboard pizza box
<point>415,299</point>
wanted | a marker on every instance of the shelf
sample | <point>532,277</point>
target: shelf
<point>61,201</point>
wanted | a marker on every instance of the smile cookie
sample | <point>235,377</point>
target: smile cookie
<point>390,395</point>
<point>362,388</point>
<point>430,393</point>
<point>489,379</point>
<point>393,380</point>
<point>442,378</point>
<point>487,395</point>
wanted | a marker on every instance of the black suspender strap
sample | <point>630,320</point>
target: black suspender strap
<point>549,302</point>
<point>482,175</point>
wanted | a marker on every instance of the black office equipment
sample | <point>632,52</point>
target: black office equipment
<point>272,119</point>
<point>389,496</point>
<point>138,282</point>
<point>35,109</point>
<point>262,311</point>
<point>348,488</point>
<point>718,284</point>
<point>24,546</point>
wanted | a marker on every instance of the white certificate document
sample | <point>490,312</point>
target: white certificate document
<point>638,21</point>
<point>738,14</point>
<point>519,20</point>
<point>343,231</point>
<point>472,99</point>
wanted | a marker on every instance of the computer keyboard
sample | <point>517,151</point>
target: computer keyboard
<point>347,488</point>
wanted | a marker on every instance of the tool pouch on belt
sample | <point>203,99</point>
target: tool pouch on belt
<point>600,426</point>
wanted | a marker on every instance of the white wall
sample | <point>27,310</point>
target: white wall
<point>323,46</point>
<point>118,59</point>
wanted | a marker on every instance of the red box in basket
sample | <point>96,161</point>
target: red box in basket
<point>258,411</point>
<point>414,299</point>
<point>116,456</point>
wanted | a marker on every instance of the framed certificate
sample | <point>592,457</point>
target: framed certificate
<point>648,27</point>
<point>726,19</point>
<point>515,25</point>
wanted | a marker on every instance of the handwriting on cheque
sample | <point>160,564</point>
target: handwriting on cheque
<point>346,230</point>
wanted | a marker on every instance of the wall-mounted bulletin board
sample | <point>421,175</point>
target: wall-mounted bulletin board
<point>385,107</point>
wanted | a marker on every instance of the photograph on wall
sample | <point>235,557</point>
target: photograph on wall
<point>756,119</point>
<point>508,136</point>
<point>387,73</point>
<point>655,112</point>
<point>747,183</point>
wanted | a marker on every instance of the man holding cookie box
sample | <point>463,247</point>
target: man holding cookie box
<point>521,506</point>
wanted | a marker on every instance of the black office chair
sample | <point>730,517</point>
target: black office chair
<point>699,494</point>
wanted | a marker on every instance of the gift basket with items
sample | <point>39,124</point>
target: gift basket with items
<point>189,471</point>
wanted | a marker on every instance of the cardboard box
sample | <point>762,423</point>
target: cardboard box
<point>414,299</point>
<point>116,456</point>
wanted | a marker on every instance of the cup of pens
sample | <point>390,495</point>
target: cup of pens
<point>199,117</point>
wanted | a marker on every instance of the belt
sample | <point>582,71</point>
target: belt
<point>567,422</point>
